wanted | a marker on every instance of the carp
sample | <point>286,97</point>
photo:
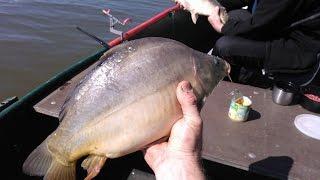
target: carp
<point>125,103</point>
<point>203,7</point>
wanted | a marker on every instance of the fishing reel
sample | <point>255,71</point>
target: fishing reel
<point>113,21</point>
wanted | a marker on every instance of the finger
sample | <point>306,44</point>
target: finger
<point>188,102</point>
<point>154,154</point>
<point>181,6</point>
<point>215,14</point>
<point>155,149</point>
<point>211,19</point>
<point>216,10</point>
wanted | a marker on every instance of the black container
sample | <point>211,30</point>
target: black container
<point>308,103</point>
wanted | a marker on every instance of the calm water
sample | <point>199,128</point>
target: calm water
<point>38,37</point>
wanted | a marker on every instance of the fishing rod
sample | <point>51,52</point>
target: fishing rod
<point>100,41</point>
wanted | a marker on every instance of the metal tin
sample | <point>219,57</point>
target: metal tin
<point>239,111</point>
<point>283,93</point>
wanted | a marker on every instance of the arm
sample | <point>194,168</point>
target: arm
<point>234,4</point>
<point>271,16</point>
<point>184,170</point>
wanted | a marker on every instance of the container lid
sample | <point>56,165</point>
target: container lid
<point>308,124</point>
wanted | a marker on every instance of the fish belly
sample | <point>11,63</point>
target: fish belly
<point>133,127</point>
<point>205,7</point>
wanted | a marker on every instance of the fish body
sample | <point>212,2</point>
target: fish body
<point>203,7</point>
<point>127,102</point>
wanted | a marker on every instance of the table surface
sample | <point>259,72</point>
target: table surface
<point>268,143</point>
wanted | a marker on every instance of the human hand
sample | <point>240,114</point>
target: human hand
<point>179,158</point>
<point>180,5</point>
<point>214,19</point>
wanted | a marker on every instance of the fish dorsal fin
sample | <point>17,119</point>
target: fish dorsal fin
<point>194,17</point>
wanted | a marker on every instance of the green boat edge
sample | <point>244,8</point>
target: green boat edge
<point>59,79</point>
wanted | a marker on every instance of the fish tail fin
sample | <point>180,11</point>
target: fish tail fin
<point>38,162</point>
<point>194,17</point>
<point>41,163</point>
<point>58,171</point>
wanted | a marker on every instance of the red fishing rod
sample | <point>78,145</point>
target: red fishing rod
<point>132,32</point>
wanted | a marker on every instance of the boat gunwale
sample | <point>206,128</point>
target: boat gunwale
<point>44,89</point>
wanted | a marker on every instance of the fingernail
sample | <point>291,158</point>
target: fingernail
<point>186,87</point>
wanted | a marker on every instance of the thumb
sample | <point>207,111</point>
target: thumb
<point>188,102</point>
<point>214,17</point>
<point>216,10</point>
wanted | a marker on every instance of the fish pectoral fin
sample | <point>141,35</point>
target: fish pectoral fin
<point>93,164</point>
<point>194,17</point>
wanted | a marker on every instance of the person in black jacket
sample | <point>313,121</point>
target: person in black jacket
<point>260,37</point>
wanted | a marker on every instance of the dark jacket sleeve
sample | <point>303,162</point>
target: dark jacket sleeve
<point>270,17</point>
<point>234,4</point>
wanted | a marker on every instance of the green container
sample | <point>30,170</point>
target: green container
<point>239,111</point>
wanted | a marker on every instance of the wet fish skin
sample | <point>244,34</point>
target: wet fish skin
<point>124,104</point>
<point>203,7</point>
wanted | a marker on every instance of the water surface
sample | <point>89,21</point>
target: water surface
<point>38,37</point>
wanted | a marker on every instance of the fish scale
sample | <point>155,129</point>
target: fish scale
<point>124,104</point>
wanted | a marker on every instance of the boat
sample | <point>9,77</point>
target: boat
<point>22,128</point>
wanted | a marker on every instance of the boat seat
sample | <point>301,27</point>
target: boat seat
<point>301,79</point>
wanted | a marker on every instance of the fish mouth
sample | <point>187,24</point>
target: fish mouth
<point>223,15</point>
<point>227,68</point>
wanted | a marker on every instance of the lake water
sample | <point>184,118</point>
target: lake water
<point>38,37</point>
